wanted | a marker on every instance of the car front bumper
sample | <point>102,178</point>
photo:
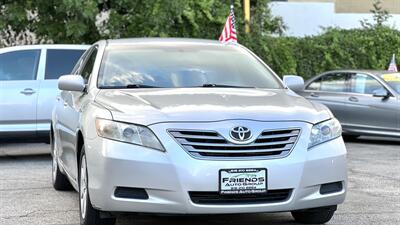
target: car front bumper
<point>169,176</point>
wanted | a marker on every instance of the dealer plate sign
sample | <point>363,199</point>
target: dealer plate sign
<point>242,181</point>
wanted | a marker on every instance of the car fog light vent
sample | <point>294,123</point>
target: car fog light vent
<point>132,193</point>
<point>331,188</point>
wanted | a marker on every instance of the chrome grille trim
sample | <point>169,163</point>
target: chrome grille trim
<point>210,144</point>
<point>231,145</point>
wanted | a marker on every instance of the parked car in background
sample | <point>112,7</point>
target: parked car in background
<point>187,126</point>
<point>365,102</point>
<point>28,85</point>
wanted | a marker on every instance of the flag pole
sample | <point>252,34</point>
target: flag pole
<point>393,65</point>
<point>229,32</point>
<point>246,8</point>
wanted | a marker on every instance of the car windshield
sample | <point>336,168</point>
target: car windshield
<point>393,80</point>
<point>173,66</point>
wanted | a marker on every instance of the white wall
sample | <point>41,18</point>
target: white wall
<point>304,19</point>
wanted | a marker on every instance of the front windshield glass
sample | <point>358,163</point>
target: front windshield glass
<point>173,66</point>
<point>393,80</point>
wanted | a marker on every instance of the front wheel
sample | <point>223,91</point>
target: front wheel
<point>314,216</point>
<point>88,214</point>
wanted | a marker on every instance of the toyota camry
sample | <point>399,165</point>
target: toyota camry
<point>183,126</point>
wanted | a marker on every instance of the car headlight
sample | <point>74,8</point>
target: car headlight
<point>325,131</point>
<point>129,133</point>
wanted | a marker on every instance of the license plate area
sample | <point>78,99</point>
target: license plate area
<point>242,181</point>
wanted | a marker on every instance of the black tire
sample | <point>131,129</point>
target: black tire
<point>90,216</point>
<point>314,216</point>
<point>59,180</point>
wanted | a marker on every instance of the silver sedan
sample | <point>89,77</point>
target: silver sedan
<point>365,102</point>
<point>182,126</point>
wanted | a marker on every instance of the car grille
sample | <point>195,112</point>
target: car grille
<point>271,143</point>
<point>214,198</point>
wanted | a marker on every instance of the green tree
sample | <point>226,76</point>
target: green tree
<point>380,16</point>
<point>60,21</point>
<point>78,21</point>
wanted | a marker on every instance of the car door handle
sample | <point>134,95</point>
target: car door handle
<point>353,99</point>
<point>28,91</point>
<point>65,104</point>
<point>314,95</point>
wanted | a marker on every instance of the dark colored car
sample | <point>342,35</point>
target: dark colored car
<point>365,102</point>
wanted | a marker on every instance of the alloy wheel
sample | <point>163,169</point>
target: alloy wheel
<point>83,187</point>
<point>54,162</point>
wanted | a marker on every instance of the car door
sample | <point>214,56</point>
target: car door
<point>58,62</point>
<point>68,112</point>
<point>331,90</point>
<point>366,112</point>
<point>393,82</point>
<point>19,90</point>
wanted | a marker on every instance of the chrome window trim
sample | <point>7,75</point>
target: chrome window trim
<point>377,78</point>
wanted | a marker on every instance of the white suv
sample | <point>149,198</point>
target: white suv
<point>28,85</point>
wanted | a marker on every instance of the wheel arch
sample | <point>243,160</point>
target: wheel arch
<point>51,138</point>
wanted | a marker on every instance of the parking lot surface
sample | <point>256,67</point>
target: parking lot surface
<point>27,196</point>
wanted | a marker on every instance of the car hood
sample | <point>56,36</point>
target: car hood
<point>150,106</point>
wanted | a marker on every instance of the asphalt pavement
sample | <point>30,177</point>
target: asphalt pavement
<point>27,196</point>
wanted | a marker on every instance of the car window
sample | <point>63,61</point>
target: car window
<point>19,65</point>
<point>393,79</point>
<point>88,66</point>
<point>78,64</point>
<point>335,82</point>
<point>61,62</point>
<point>364,84</point>
<point>315,85</point>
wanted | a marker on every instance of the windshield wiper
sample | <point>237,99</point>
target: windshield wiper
<point>139,86</point>
<point>129,86</point>
<point>224,85</point>
<point>150,86</point>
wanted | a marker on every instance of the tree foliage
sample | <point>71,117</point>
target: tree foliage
<point>86,21</point>
<point>77,21</point>
<point>334,49</point>
<point>380,16</point>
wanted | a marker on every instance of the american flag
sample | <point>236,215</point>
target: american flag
<point>229,31</point>
<point>392,65</point>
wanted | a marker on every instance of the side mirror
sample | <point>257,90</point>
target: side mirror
<point>71,83</point>
<point>380,93</point>
<point>295,83</point>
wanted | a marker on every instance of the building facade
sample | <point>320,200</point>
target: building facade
<point>309,17</point>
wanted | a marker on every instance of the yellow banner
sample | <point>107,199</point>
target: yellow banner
<point>391,77</point>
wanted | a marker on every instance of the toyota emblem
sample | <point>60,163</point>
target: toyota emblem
<point>240,133</point>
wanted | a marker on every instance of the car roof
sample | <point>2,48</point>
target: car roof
<point>128,41</point>
<point>373,72</point>
<point>45,46</point>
